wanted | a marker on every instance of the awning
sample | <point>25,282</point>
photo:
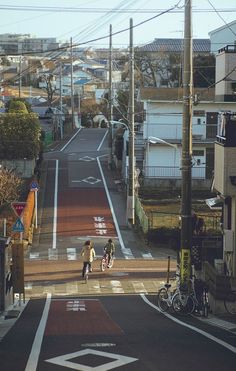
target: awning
<point>214,203</point>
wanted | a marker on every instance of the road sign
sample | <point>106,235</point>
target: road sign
<point>18,207</point>
<point>18,226</point>
<point>34,186</point>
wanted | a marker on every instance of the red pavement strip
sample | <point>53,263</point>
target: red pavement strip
<point>77,209</point>
<point>80,316</point>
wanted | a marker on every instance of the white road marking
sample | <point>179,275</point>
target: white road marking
<point>139,287</point>
<point>127,252</point>
<point>54,233</point>
<point>71,253</point>
<point>147,255</point>
<point>62,149</point>
<point>117,287</point>
<point>101,143</point>
<point>199,331</point>
<point>117,360</point>
<point>52,254</point>
<point>36,347</point>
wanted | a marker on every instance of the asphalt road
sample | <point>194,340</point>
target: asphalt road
<point>112,322</point>
<point>112,333</point>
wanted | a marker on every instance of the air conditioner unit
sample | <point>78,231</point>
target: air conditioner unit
<point>228,240</point>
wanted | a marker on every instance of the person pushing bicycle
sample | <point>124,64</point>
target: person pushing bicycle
<point>109,249</point>
<point>88,254</point>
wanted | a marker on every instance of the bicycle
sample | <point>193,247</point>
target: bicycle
<point>86,270</point>
<point>230,302</point>
<point>194,302</point>
<point>200,297</point>
<point>175,299</point>
<point>105,262</point>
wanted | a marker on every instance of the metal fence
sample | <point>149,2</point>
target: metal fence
<point>154,219</point>
<point>198,172</point>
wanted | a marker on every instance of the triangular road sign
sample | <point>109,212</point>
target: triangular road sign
<point>18,226</point>
<point>18,207</point>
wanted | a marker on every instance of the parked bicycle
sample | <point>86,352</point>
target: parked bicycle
<point>193,298</point>
<point>105,262</point>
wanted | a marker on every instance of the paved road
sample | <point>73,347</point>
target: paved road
<point>111,322</point>
<point>112,333</point>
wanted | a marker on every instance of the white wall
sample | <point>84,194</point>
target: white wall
<point>164,119</point>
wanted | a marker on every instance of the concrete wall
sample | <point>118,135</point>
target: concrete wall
<point>23,168</point>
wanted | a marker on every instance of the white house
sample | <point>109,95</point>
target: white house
<point>224,35</point>
<point>163,108</point>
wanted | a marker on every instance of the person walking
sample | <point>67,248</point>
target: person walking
<point>109,249</point>
<point>88,254</point>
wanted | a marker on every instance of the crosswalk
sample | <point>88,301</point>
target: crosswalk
<point>96,287</point>
<point>73,253</point>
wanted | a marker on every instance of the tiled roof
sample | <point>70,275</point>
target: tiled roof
<point>176,45</point>
<point>174,94</point>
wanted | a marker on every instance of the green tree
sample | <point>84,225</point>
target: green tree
<point>14,104</point>
<point>19,133</point>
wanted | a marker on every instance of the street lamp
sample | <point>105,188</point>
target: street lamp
<point>155,140</point>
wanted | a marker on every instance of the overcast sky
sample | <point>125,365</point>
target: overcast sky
<point>86,20</point>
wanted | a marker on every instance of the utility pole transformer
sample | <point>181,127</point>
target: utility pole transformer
<point>186,192</point>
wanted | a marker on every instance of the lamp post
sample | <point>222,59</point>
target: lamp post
<point>155,140</point>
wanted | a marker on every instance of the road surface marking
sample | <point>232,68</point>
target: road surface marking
<point>100,145</point>
<point>127,252</point>
<point>71,253</point>
<point>54,233</point>
<point>117,287</point>
<point>139,287</point>
<point>204,333</point>
<point>36,347</point>
<point>119,360</point>
<point>147,256</point>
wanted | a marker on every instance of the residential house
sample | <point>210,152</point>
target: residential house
<point>225,162</point>
<point>224,35</point>
<point>163,108</point>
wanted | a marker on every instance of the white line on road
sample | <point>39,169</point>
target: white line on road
<point>204,333</point>
<point>100,145</point>
<point>54,233</point>
<point>127,252</point>
<point>62,149</point>
<point>36,347</point>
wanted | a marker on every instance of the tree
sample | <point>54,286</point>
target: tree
<point>165,69</point>
<point>50,88</point>
<point>10,186</point>
<point>161,69</point>
<point>14,104</point>
<point>203,70</point>
<point>19,133</point>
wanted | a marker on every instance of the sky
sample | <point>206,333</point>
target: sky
<point>85,21</point>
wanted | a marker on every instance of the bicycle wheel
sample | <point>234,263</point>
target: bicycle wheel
<point>103,265</point>
<point>162,299</point>
<point>230,303</point>
<point>182,303</point>
<point>111,263</point>
<point>205,305</point>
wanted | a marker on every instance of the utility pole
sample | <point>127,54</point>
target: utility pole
<point>61,121</point>
<point>131,193</point>
<point>186,191</point>
<point>20,77</point>
<point>110,102</point>
<point>72,86</point>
